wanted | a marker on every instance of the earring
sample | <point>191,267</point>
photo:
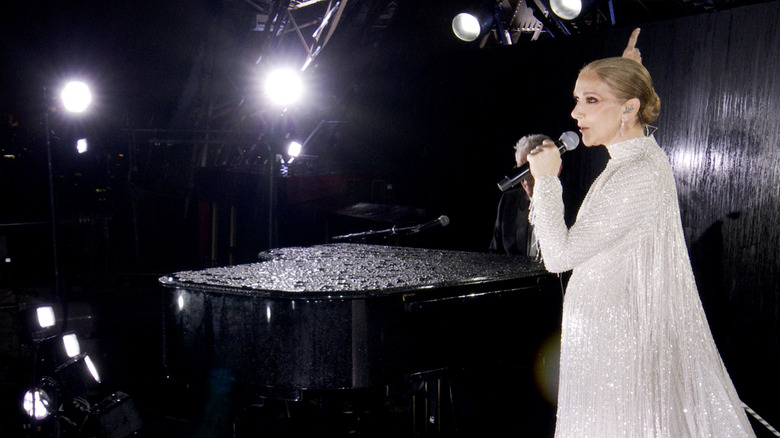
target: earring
<point>622,125</point>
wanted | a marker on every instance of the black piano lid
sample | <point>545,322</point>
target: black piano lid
<point>349,270</point>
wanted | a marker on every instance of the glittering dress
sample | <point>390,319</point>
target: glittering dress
<point>637,355</point>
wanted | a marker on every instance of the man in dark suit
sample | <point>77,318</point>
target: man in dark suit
<point>512,234</point>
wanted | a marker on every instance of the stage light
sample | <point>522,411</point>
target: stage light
<point>37,404</point>
<point>284,86</point>
<point>570,9</point>
<point>45,316</point>
<point>81,145</point>
<point>71,344</point>
<point>78,377</point>
<point>91,368</point>
<point>41,322</point>
<point>76,97</point>
<point>476,20</point>
<point>54,352</point>
<point>294,149</point>
<point>566,9</point>
<point>468,26</point>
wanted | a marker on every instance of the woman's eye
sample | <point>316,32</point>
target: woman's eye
<point>591,100</point>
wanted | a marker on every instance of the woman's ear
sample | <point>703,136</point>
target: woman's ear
<point>631,107</point>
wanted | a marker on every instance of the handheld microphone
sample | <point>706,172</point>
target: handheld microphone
<point>566,142</point>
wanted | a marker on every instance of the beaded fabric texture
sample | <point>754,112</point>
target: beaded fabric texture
<point>637,355</point>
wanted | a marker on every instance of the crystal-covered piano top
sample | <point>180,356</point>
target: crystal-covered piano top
<point>351,270</point>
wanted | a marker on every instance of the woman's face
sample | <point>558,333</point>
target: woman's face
<point>597,111</point>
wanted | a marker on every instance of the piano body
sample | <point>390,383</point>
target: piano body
<point>351,316</point>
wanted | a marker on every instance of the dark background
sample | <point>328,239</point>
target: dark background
<point>422,126</point>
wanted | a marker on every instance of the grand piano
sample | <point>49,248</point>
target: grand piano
<point>353,316</point>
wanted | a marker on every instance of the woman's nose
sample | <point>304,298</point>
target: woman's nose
<point>575,112</point>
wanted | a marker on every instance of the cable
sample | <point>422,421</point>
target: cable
<point>760,420</point>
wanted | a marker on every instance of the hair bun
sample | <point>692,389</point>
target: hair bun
<point>652,109</point>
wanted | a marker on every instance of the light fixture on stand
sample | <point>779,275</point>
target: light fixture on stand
<point>38,404</point>
<point>571,10</point>
<point>475,22</point>
<point>75,97</point>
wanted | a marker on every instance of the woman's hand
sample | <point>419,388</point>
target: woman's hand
<point>544,159</point>
<point>631,52</point>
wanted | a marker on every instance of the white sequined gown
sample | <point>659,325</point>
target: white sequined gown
<point>637,355</point>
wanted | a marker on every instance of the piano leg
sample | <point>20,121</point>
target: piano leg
<point>432,404</point>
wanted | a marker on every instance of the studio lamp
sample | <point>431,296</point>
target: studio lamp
<point>37,404</point>
<point>53,353</point>
<point>294,150</point>
<point>70,345</point>
<point>474,23</point>
<point>76,96</point>
<point>42,322</point>
<point>82,145</point>
<point>284,86</point>
<point>40,401</point>
<point>78,377</point>
<point>570,9</point>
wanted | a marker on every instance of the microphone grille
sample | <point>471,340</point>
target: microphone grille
<point>444,220</point>
<point>570,139</point>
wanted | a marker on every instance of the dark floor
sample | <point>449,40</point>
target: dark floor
<point>472,410</point>
<point>120,327</point>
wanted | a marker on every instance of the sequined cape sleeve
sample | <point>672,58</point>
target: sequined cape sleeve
<point>611,213</point>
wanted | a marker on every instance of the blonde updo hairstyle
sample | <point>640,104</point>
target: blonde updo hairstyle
<point>628,79</point>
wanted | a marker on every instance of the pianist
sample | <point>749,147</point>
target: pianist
<point>512,234</point>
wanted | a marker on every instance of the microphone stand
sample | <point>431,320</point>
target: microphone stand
<point>395,230</point>
<point>58,292</point>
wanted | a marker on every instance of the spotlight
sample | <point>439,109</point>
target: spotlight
<point>56,352</point>
<point>470,25</point>
<point>41,322</point>
<point>37,404</point>
<point>76,97</point>
<point>78,377</point>
<point>284,86</point>
<point>71,344</point>
<point>571,9</point>
<point>566,9</point>
<point>45,316</point>
<point>294,149</point>
<point>91,367</point>
<point>81,145</point>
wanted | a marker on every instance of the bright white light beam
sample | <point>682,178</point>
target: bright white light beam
<point>76,97</point>
<point>284,86</point>
<point>81,145</point>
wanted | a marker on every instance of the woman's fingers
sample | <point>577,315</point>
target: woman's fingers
<point>544,159</point>
<point>631,52</point>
